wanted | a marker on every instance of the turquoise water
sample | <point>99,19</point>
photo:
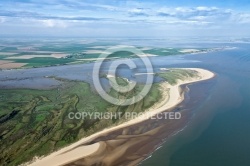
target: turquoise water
<point>219,133</point>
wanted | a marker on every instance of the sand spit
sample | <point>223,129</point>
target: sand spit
<point>79,152</point>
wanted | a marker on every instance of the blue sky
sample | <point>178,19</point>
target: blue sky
<point>124,18</point>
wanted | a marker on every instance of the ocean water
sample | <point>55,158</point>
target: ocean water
<point>219,132</point>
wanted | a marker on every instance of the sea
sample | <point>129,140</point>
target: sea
<point>219,132</point>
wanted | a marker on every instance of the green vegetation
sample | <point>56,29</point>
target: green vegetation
<point>163,51</point>
<point>122,54</point>
<point>45,61</point>
<point>36,122</point>
<point>173,75</point>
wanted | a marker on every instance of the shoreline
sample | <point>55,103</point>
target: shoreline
<point>75,152</point>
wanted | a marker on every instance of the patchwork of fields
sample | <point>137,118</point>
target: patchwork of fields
<point>51,53</point>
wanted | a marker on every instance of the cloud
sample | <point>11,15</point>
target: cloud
<point>242,18</point>
<point>197,13</point>
<point>18,13</point>
<point>2,19</point>
<point>38,16</point>
<point>80,5</point>
<point>54,23</point>
<point>138,12</point>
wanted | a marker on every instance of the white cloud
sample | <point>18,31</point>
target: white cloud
<point>243,18</point>
<point>139,12</point>
<point>54,23</point>
<point>200,18</point>
<point>183,10</point>
<point>2,19</point>
<point>204,8</point>
<point>136,10</point>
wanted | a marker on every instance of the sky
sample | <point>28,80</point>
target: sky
<point>125,18</point>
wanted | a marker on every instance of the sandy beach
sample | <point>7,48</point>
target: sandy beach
<point>171,98</point>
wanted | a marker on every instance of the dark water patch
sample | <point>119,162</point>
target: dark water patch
<point>6,117</point>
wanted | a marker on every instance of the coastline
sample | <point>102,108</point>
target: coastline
<point>75,151</point>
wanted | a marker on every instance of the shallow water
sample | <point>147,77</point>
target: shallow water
<point>23,78</point>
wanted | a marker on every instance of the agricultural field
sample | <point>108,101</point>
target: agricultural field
<point>52,53</point>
